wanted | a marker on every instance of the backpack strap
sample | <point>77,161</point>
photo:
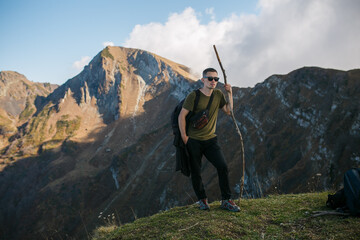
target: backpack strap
<point>196,102</point>
<point>210,101</point>
<point>197,98</point>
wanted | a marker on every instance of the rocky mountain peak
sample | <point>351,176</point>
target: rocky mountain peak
<point>116,85</point>
<point>120,80</point>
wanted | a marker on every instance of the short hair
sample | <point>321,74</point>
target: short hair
<point>209,70</point>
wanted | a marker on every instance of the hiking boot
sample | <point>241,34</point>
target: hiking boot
<point>229,205</point>
<point>203,204</point>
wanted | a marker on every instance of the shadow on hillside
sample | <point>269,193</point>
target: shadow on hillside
<point>48,196</point>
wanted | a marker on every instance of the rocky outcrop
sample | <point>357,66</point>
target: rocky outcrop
<point>121,80</point>
<point>107,143</point>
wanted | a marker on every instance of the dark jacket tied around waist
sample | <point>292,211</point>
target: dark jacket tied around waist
<point>182,156</point>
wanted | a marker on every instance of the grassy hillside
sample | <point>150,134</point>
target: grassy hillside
<point>274,217</point>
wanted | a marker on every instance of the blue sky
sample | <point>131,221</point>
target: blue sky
<point>50,41</point>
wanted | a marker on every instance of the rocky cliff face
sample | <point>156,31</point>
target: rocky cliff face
<point>102,143</point>
<point>301,130</point>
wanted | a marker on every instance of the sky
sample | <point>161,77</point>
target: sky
<point>52,41</point>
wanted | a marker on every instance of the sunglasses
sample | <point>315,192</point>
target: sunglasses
<point>212,78</point>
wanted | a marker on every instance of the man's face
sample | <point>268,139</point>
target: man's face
<point>210,84</point>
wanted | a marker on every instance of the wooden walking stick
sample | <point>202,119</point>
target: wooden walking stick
<point>237,129</point>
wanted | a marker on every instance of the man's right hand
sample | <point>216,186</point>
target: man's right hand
<point>182,124</point>
<point>185,139</point>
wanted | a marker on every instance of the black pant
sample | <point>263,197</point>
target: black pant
<point>213,153</point>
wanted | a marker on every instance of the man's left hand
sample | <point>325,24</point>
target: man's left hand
<point>228,88</point>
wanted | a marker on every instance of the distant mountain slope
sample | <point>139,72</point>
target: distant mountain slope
<point>19,99</point>
<point>102,142</point>
<point>16,89</point>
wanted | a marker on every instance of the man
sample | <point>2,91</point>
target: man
<point>203,141</point>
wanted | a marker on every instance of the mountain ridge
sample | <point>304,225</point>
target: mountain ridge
<point>103,142</point>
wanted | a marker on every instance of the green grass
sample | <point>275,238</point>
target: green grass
<point>65,127</point>
<point>274,217</point>
<point>27,112</point>
<point>37,129</point>
<point>37,125</point>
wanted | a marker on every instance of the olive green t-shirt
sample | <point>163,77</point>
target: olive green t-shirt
<point>218,102</point>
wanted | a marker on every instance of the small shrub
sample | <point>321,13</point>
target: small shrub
<point>66,127</point>
<point>27,112</point>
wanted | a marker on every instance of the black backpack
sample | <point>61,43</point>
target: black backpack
<point>347,198</point>
<point>352,190</point>
<point>182,156</point>
<point>176,113</point>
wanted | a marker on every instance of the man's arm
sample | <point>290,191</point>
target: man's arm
<point>229,105</point>
<point>182,124</point>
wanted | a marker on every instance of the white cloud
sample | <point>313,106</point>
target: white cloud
<point>105,44</point>
<point>285,35</point>
<point>79,65</point>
